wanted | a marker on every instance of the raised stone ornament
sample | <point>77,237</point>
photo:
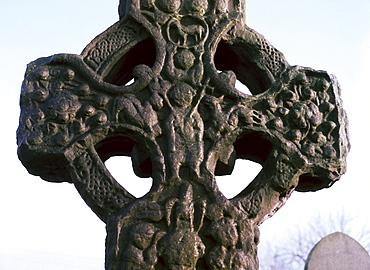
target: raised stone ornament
<point>159,86</point>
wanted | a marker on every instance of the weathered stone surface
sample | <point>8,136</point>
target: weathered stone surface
<point>182,121</point>
<point>338,251</point>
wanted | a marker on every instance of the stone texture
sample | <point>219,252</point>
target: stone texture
<point>338,251</point>
<point>159,86</point>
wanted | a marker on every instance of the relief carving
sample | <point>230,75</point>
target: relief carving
<point>160,86</point>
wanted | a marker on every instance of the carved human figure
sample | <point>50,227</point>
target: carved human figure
<point>218,124</point>
<point>197,7</point>
<point>222,6</point>
<point>182,247</point>
<point>184,128</point>
<point>184,64</point>
<point>129,109</point>
<point>141,252</point>
<point>224,255</point>
<point>169,6</point>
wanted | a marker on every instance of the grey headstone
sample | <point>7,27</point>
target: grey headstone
<point>338,251</point>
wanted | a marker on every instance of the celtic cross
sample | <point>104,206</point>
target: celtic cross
<point>159,86</point>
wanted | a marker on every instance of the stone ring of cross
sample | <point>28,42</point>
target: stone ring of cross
<point>159,86</point>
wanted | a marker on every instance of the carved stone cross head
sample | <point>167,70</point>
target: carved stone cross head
<point>159,86</point>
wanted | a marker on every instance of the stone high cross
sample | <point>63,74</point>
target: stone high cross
<point>182,121</point>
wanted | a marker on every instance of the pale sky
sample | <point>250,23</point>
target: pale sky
<point>48,226</point>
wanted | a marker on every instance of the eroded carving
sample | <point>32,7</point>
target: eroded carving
<point>182,121</point>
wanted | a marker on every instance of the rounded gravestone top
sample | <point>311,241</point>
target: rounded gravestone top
<point>338,251</point>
